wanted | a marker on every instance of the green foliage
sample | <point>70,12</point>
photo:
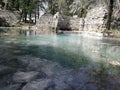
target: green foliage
<point>61,6</point>
<point>27,7</point>
<point>53,6</point>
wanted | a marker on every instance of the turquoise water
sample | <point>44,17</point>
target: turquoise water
<point>89,63</point>
<point>68,50</point>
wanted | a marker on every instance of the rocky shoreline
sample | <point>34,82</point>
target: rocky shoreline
<point>26,30</point>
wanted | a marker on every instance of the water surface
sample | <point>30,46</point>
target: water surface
<point>69,50</point>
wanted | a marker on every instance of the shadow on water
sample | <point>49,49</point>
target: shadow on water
<point>65,58</point>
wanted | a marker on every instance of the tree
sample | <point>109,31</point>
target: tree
<point>61,6</point>
<point>110,10</point>
<point>80,7</point>
<point>27,7</point>
<point>16,4</point>
<point>5,6</point>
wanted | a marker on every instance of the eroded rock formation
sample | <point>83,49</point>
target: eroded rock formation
<point>8,18</point>
<point>96,19</point>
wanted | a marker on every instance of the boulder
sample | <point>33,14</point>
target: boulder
<point>50,68</point>
<point>47,68</point>
<point>10,18</point>
<point>31,63</point>
<point>3,22</point>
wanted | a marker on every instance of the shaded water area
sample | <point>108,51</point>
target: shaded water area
<point>59,62</point>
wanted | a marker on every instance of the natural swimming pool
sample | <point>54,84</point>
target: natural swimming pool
<point>68,49</point>
<point>71,51</point>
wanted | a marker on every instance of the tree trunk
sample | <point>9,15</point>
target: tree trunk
<point>30,18</point>
<point>38,9</point>
<point>17,5</point>
<point>35,16</point>
<point>25,17</point>
<point>110,10</point>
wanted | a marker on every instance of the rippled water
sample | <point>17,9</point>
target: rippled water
<point>69,50</point>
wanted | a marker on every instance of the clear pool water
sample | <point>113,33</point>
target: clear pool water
<point>69,50</point>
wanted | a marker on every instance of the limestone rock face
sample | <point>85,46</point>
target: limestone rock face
<point>68,23</point>
<point>116,15</point>
<point>9,17</point>
<point>96,19</point>
<point>3,22</point>
<point>116,23</point>
<point>45,23</point>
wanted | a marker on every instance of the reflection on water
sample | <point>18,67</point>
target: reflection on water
<point>69,50</point>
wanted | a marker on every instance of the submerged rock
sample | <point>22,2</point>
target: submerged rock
<point>11,87</point>
<point>40,65</point>
<point>40,84</point>
<point>23,77</point>
<point>31,63</point>
<point>4,70</point>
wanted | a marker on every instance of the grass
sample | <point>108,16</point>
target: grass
<point>25,24</point>
<point>116,32</point>
<point>113,31</point>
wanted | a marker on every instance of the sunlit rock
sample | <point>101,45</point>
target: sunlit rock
<point>96,19</point>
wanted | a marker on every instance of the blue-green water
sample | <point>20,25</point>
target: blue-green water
<point>68,50</point>
<point>88,63</point>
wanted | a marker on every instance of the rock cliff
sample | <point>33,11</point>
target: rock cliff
<point>96,19</point>
<point>116,15</point>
